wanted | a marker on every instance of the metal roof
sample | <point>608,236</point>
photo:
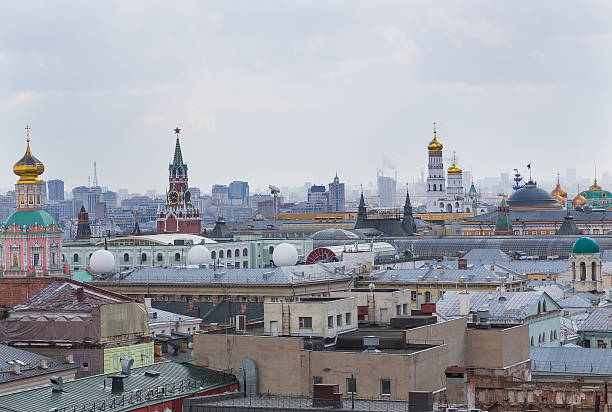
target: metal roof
<point>575,301</point>
<point>301,274</point>
<point>31,365</point>
<point>502,305</point>
<point>475,274</point>
<point>94,392</point>
<point>600,320</point>
<point>163,316</point>
<point>571,361</point>
<point>486,256</point>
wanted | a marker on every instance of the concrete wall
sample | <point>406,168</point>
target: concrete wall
<point>378,301</point>
<point>318,311</point>
<point>496,348</point>
<point>451,333</point>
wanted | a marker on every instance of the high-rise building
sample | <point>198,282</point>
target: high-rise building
<point>220,195</point>
<point>386,190</point>
<point>93,198</point>
<point>79,195</point>
<point>238,193</point>
<point>178,215</point>
<point>336,195</point>
<point>55,188</point>
<point>318,198</point>
<point>110,198</point>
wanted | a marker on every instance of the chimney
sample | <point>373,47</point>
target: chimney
<point>126,366</point>
<point>464,303</point>
<point>16,368</point>
<point>70,358</point>
<point>80,294</point>
<point>42,364</point>
<point>147,302</point>
<point>57,383</point>
<point>441,271</point>
<point>492,267</point>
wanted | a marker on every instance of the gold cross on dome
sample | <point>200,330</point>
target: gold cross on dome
<point>435,124</point>
<point>27,128</point>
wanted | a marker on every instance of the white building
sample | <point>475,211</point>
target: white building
<point>162,322</point>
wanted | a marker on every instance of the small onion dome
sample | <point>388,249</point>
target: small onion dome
<point>559,200</point>
<point>28,168</point>
<point>585,245</point>
<point>454,169</point>
<point>435,145</point>
<point>558,191</point>
<point>579,200</point>
<point>102,261</point>
<point>198,255</point>
<point>595,186</point>
<point>285,255</point>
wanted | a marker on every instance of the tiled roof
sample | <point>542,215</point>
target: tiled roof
<point>61,295</point>
<point>93,393</point>
<point>302,274</point>
<point>571,361</point>
<point>600,320</point>
<point>31,368</point>
<point>502,305</point>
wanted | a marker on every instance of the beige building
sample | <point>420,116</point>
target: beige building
<point>409,360</point>
<point>311,316</point>
<point>379,305</point>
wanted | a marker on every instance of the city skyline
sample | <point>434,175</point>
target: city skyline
<point>370,79</point>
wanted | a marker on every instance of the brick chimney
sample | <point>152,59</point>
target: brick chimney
<point>80,294</point>
<point>42,364</point>
<point>16,368</point>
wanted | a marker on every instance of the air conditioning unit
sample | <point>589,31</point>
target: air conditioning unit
<point>241,323</point>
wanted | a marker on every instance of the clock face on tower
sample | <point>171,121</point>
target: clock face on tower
<point>173,197</point>
<point>187,196</point>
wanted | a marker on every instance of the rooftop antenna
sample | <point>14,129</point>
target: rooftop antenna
<point>95,179</point>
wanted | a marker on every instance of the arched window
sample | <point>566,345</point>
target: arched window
<point>245,252</point>
<point>428,296</point>
<point>532,341</point>
<point>89,258</point>
<point>434,187</point>
<point>593,271</point>
<point>271,249</point>
<point>441,190</point>
<point>582,271</point>
<point>449,208</point>
<point>544,306</point>
<point>160,257</point>
<point>63,258</point>
<point>75,258</point>
<point>177,257</point>
<point>441,205</point>
<point>143,257</point>
<point>456,205</point>
<point>229,253</point>
<point>467,209</point>
<point>213,255</point>
<point>539,307</point>
<point>126,257</point>
<point>551,336</point>
<point>543,337</point>
<point>220,254</point>
<point>237,253</point>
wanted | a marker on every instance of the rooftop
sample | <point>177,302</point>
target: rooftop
<point>441,274</point>
<point>570,361</point>
<point>162,316</point>
<point>140,390</point>
<point>600,320</point>
<point>30,366</point>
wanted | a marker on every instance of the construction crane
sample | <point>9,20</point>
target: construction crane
<point>275,191</point>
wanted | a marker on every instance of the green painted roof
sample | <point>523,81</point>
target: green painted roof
<point>585,245</point>
<point>82,276</point>
<point>179,380</point>
<point>27,218</point>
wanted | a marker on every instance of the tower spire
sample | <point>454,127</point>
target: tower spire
<point>178,155</point>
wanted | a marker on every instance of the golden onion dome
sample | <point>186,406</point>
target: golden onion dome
<point>435,145</point>
<point>559,200</point>
<point>579,200</point>
<point>454,169</point>
<point>558,190</point>
<point>28,168</point>
<point>595,186</point>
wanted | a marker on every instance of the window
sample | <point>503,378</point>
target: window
<point>126,257</point>
<point>317,380</point>
<point>237,265</point>
<point>213,255</point>
<point>555,334</point>
<point>544,306</point>
<point>348,318</point>
<point>160,258</point>
<point>245,252</point>
<point>351,385</point>
<point>306,322</point>
<point>405,308</point>
<point>220,254</point>
<point>385,386</point>
<point>398,310</point>
<point>229,253</point>
<point>330,322</point>
<point>177,257</point>
<point>271,249</point>
<point>85,366</point>
<point>143,257</point>
<point>601,344</point>
<point>237,253</point>
<point>75,258</point>
<point>428,296</point>
<point>339,320</point>
<point>539,307</point>
<point>36,259</point>
<point>586,343</point>
<point>551,336</point>
<point>245,264</point>
<point>532,341</point>
<point>413,295</point>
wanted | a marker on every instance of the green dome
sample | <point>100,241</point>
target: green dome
<point>26,218</point>
<point>585,245</point>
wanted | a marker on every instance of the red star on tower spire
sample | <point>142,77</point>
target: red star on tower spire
<point>177,131</point>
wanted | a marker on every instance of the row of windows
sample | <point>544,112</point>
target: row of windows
<point>351,385</point>
<point>126,257</point>
<point>542,337</point>
<point>330,320</point>
<point>228,254</point>
<point>601,344</point>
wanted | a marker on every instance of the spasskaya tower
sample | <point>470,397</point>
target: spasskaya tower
<point>178,215</point>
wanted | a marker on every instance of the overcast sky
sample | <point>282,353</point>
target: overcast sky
<point>293,91</point>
